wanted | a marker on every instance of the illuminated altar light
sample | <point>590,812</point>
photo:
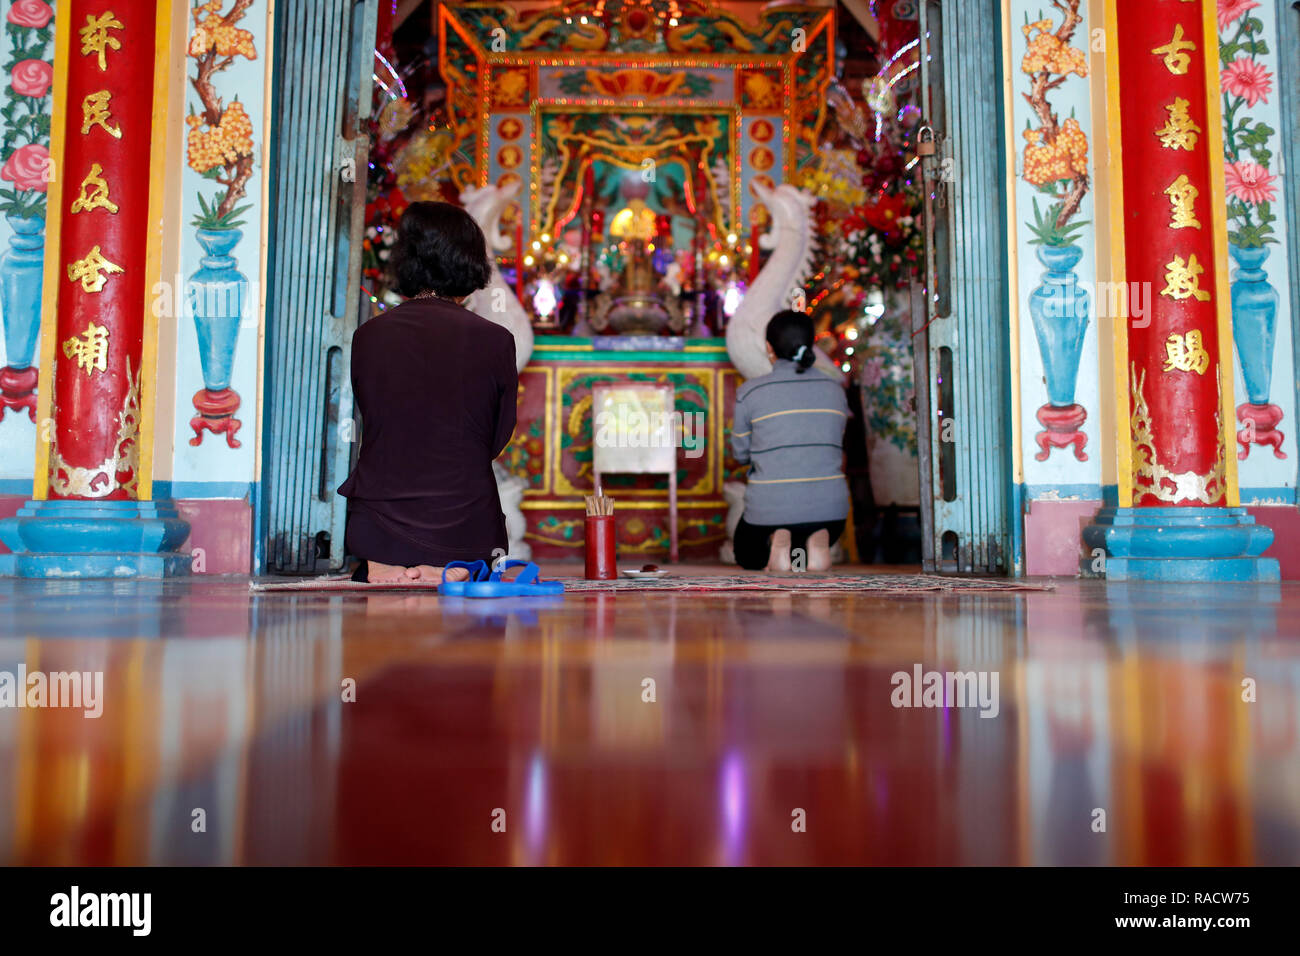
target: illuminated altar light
<point>544,300</point>
<point>528,260</point>
<point>731,299</point>
<point>851,334</point>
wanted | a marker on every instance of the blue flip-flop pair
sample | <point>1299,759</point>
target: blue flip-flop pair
<point>486,583</point>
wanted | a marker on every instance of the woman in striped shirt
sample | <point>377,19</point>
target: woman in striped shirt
<point>789,428</point>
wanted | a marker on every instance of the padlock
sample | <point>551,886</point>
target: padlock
<point>925,142</point>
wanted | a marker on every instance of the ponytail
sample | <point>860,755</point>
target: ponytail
<point>790,334</point>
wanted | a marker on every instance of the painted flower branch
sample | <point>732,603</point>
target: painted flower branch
<point>220,140</point>
<point>1056,153</point>
<point>26,110</point>
<point>1246,81</point>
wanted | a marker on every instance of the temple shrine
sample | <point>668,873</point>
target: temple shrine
<point>1061,318</point>
<point>886,411</point>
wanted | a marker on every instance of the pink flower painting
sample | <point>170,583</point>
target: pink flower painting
<point>1250,182</point>
<point>28,167</point>
<point>31,78</point>
<point>25,169</point>
<point>1249,79</point>
<point>1248,136</point>
<point>30,13</point>
<point>1230,10</point>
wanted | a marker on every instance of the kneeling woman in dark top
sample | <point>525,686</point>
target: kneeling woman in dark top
<point>789,427</point>
<point>435,385</point>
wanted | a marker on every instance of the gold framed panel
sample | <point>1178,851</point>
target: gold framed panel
<point>564,374</point>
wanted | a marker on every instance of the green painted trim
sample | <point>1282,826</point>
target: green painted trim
<point>577,349</point>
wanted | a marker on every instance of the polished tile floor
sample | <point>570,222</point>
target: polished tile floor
<point>401,728</point>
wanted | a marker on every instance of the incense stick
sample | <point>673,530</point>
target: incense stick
<point>599,506</point>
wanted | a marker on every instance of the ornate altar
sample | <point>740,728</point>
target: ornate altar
<point>636,128</point>
<point>622,138</point>
<point>552,447</point>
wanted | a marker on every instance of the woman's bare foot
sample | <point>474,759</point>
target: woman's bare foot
<point>429,573</point>
<point>819,551</point>
<point>377,573</point>
<point>778,558</point>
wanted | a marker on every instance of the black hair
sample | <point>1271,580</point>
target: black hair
<point>439,249</point>
<point>790,334</point>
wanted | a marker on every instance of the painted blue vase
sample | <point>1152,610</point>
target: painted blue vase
<point>1059,309</point>
<point>1254,320</point>
<point>217,294</point>
<point>21,269</point>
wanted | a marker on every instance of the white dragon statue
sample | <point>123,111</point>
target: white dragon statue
<point>497,303</point>
<point>780,282</point>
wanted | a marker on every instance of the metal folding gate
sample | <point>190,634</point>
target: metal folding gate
<point>324,58</point>
<point>961,349</point>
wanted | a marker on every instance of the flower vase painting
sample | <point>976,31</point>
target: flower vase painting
<point>219,146</point>
<point>1055,163</point>
<point>1252,189</point>
<point>25,174</point>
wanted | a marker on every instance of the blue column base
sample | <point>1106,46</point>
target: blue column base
<point>94,539</point>
<point>1179,544</point>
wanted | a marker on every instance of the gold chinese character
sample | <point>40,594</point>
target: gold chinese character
<point>94,192</point>
<point>1176,60</point>
<point>1179,132</point>
<point>1186,353</point>
<point>90,349</point>
<point>95,38</point>
<point>94,112</point>
<point>87,271</point>
<point>1182,196</point>
<point>1182,279</point>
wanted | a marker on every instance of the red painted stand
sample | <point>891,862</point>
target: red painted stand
<point>1064,428</point>
<point>216,414</point>
<point>18,390</point>
<point>1261,429</point>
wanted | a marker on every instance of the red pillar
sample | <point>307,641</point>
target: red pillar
<point>1178,515</point>
<point>1180,356</point>
<point>105,130</point>
<point>92,513</point>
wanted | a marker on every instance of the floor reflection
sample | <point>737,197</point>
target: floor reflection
<point>1134,726</point>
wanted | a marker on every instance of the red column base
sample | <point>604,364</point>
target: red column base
<point>216,414</point>
<point>18,390</point>
<point>1063,424</point>
<point>1261,429</point>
